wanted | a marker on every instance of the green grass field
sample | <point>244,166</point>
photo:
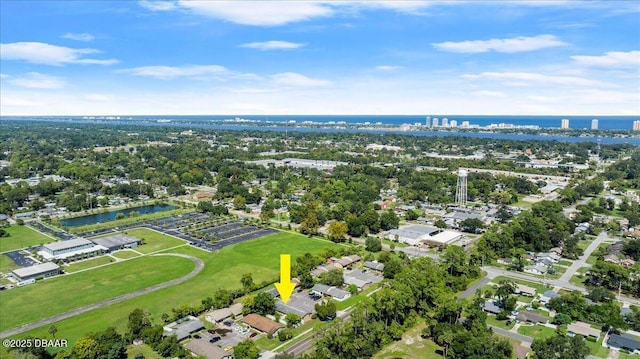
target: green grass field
<point>89,263</point>
<point>410,346</point>
<point>22,237</point>
<point>125,254</point>
<point>223,269</point>
<point>7,264</point>
<point>63,293</point>
<point>537,331</point>
<point>133,350</point>
<point>154,241</point>
<point>593,257</point>
<point>491,320</point>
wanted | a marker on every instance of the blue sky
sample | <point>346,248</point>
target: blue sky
<point>307,57</point>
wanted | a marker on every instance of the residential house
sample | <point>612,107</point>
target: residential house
<point>491,307</point>
<point>547,296</point>
<point>537,268</point>
<point>624,341</point>
<point>584,329</point>
<point>532,317</point>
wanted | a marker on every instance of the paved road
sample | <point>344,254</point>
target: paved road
<point>582,261</point>
<point>523,338</point>
<point>471,290</point>
<point>301,346</point>
<point>88,308</point>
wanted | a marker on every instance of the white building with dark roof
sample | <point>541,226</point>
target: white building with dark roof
<point>42,270</point>
<point>72,249</point>
<point>117,241</point>
<point>418,234</point>
<point>183,327</point>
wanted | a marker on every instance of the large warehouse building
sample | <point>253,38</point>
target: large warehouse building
<point>117,241</point>
<point>70,250</point>
<point>42,270</point>
<point>417,234</point>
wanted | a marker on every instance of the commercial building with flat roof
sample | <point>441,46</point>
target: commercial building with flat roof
<point>42,270</point>
<point>117,241</point>
<point>418,234</point>
<point>72,249</point>
<point>335,293</point>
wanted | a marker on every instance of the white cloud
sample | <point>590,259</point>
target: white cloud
<point>156,5</point>
<point>86,37</point>
<point>259,13</point>
<point>169,72</point>
<point>297,80</point>
<point>485,93</point>
<point>388,67</point>
<point>272,45</point>
<point>524,78</point>
<point>4,76</point>
<point>9,101</point>
<point>611,59</point>
<point>511,45</point>
<point>96,97</point>
<point>46,54</point>
<point>38,81</point>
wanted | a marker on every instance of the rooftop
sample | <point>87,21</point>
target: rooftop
<point>115,240</point>
<point>56,246</point>
<point>261,323</point>
<point>35,270</point>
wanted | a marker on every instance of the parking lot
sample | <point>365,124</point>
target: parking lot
<point>20,259</point>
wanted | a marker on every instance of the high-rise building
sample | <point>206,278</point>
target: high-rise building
<point>445,122</point>
<point>465,124</point>
<point>461,189</point>
<point>427,122</point>
<point>453,123</point>
<point>594,124</point>
<point>435,122</point>
<point>564,124</point>
<point>636,125</point>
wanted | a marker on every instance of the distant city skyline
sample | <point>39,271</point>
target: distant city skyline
<point>380,57</point>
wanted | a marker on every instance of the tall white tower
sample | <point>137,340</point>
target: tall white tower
<point>461,189</point>
<point>594,124</point>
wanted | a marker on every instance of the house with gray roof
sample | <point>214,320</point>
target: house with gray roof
<point>333,292</point>
<point>183,327</point>
<point>624,341</point>
<point>374,265</point>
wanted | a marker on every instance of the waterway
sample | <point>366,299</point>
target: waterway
<point>110,216</point>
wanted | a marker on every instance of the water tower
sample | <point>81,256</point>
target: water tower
<point>461,189</point>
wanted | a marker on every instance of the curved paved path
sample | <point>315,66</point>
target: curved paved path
<point>90,307</point>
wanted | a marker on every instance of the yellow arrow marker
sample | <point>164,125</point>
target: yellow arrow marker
<point>285,287</point>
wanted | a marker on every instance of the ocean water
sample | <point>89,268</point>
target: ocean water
<point>280,123</point>
<point>575,122</point>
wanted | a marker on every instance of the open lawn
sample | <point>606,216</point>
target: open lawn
<point>21,237</point>
<point>133,350</point>
<point>153,240</point>
<point>411,346</point>
<point>125,254</point>
<point>89,263</point>
<point>491,320</point>
<point>342,305</point>
<point>63,293</point>
<point>593,257</point>
<point>577,280</point>
<point>596,349</point>
<point>7,264</point>
<point>223,269</point>
<point>565,262</point>
<point>537,331</point>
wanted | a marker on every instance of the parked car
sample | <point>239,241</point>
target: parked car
<point>214,339</point>
<point>253,335</point>
<point>228,348</point>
